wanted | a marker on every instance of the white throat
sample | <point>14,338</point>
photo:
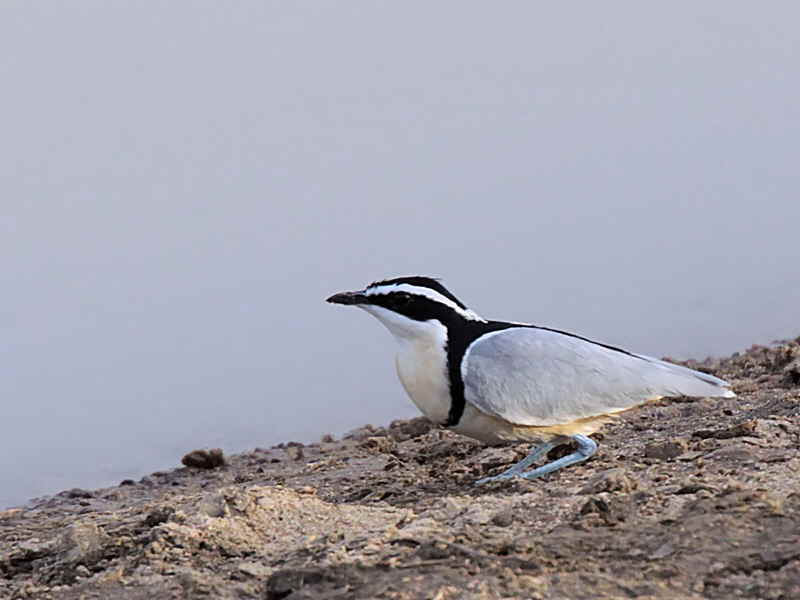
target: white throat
<point>421,360</point>
<point>405,329</point>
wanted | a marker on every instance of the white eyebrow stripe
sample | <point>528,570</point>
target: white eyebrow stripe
<point>424,291</point>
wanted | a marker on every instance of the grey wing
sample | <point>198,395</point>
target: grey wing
<point>532,376</point>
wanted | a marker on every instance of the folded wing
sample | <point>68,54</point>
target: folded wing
<point>534,376</point>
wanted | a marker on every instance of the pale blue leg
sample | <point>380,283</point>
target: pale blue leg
<point>521,465</point>
<point>586,447</point>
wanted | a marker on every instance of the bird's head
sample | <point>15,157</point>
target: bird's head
<point>410,307</point>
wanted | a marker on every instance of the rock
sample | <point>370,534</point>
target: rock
<point>742,429</point>
<point>34,548</point>
<point>693,488</point>
<point>77,493</point>
<point>295,452</point>
<point>290,582</point>
<point>736,453</point>
<point>666,450</point>
<point>612,480</point>
<point>82,571</point>
<point>662,551</point>
<point>364,432</point>
<point>791,373</point>
<point>256,570</point>
<point>82,543</point>
<point>503,518</point>
<point>378,444</point>
<point>158,516</point>
<point>212,506</point>
<point>690,456</point>
<point>496,458</point>
<point>199,584</point>
<point>611,510</point>
<point>413,428</point>
<point>204,459</point>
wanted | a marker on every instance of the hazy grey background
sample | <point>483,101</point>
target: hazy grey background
<point>183,183</point>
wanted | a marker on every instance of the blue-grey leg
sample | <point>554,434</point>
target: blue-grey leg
<point>586,447</point>
<point>521,465</point>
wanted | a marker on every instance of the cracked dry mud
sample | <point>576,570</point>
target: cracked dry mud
<point>686,498</point>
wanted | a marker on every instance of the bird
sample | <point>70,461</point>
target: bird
<point>504,381</point>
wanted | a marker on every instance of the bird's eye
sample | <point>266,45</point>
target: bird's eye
<point>402,299</point>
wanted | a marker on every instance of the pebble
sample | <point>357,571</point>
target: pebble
<point>612,480</point>
<point>254,570</point>
<point>379,444</point>
<point>295,452</point>
<point>742,429</point>
<point>204,459</point>
<point>666,450</point>
<point>503,518</point>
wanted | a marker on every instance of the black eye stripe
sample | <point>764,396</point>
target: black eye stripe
<point>414,306</point>
<point>400,299</point>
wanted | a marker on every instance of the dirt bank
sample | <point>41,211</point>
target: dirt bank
<point>687,498</point>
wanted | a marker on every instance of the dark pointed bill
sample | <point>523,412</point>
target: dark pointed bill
<point>348,298</point>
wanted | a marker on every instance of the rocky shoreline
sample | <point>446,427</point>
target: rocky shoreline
<point>686,498</point>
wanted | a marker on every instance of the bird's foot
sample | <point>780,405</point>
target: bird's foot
<point>586,448</point>
<point>517,469</point>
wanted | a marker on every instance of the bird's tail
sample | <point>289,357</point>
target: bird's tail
<point>688,382</point>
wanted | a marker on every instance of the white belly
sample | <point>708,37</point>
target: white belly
<point>422,368</point>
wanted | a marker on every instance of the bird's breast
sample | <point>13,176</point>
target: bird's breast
<point>422,368</point>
